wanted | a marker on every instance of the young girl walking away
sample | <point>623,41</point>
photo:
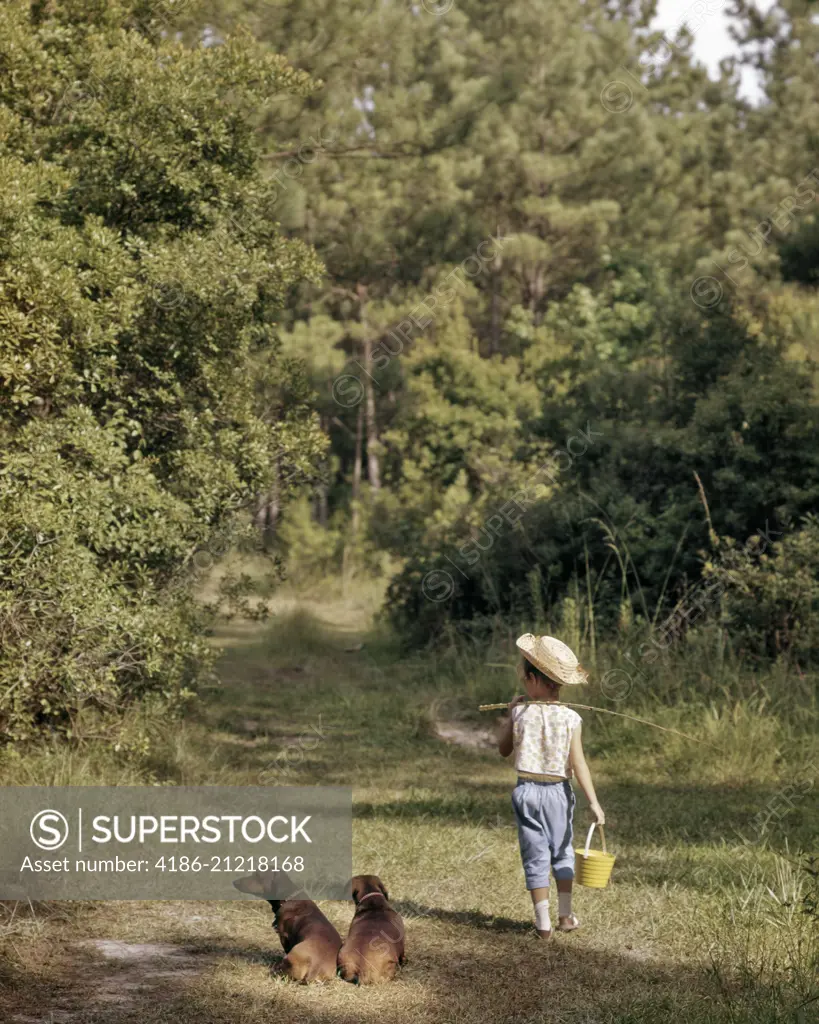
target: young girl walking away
<point>548,750</point>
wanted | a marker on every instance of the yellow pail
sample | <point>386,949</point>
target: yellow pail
<point>593,867</point>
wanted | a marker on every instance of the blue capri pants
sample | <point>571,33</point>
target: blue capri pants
<point>544,812</point>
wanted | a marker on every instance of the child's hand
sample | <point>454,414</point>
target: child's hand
<point>515,701</point>
<point>597,811</point>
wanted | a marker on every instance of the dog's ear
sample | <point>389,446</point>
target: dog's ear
<point>355,884</point>
<point>383,889</point>
<point>275,905</point>
<point>250,884</point>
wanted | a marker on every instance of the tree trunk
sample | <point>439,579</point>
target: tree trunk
<point>267,515</point>
<point>359,432</point>
<point>346,554</point>
<point>321,505</point>
<point>373,466</point>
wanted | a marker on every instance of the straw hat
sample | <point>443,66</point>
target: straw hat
<point>553,658</point>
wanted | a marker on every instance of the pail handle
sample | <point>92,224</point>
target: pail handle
<point>589,838</point>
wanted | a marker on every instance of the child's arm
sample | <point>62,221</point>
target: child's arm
<point>506,743</point>
<point>583,775</point>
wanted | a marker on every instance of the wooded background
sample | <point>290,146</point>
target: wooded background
<point>509,304</point>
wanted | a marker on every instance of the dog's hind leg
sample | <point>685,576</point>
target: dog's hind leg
<point>348,969</point>
<point>376,972</point>
<point>298,965</point>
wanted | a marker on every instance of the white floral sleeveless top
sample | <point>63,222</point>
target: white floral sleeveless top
<point>542,734</point>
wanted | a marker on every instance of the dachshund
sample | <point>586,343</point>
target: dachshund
<point>374,946</point>
<point>310,942</point>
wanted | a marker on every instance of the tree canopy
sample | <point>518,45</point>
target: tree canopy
<point>651,278</point>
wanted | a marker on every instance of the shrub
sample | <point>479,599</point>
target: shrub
<point>772,597</point>
<point>140,276</point>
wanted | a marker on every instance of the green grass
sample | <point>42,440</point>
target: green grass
<point>702,921</point>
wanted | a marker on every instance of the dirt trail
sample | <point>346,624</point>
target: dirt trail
<point>124,975</point>
<point>463,734</point>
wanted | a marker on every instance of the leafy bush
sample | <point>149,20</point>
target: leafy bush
<point>140,277</point>
<point>313,552</point>
<point>772,597</point>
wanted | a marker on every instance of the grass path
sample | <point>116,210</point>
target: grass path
<point>686,932</point>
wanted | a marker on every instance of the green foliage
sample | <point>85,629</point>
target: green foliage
<point>665,397</point>
<point>313,552</point>
<point>616,177</point>
<point>140,279</point>
<point>772,597</point>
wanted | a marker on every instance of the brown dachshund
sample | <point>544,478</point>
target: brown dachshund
<point>374,946</point>
<point>310,942</point>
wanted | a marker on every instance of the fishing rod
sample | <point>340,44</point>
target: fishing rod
<point>590,707</point>
<point>586,707</point>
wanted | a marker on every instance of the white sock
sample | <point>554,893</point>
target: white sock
<point>542,920</point>
<point>564,904</point>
